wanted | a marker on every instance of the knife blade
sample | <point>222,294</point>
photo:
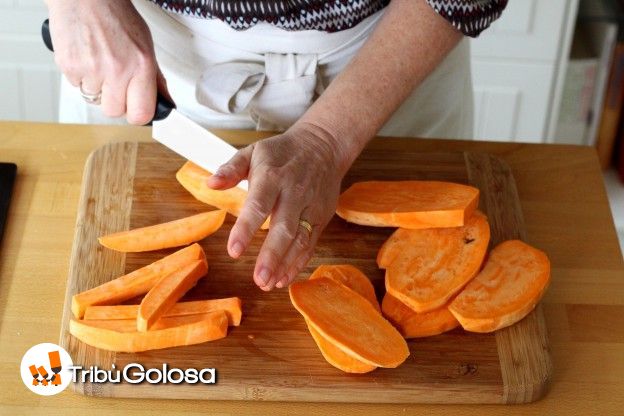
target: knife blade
<point>190,140</point>
<point>179,133</point>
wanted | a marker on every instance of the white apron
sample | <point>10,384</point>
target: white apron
<point>265,78</point>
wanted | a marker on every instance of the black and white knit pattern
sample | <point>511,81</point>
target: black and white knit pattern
<point>469,16</point>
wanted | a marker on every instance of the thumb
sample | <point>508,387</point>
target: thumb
<point>233,171</point>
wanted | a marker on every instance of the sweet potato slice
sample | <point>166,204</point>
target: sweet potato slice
<point>135,283</point>
<point>408,204</point>
<point>194,179</point>
<point>167,292</point>
<point>351,277</point>
<point>512,282</point>
<point>416,325</point>
<point>357,281</point>
<point>169,234</point>
<point>336,357</point>
<point>425,268</point>
<point>212,328</point>
<point>129,325</point>
<point>231,306</point>
<point>349,322</point>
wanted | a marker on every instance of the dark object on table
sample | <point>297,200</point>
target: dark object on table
<point>7,178</point>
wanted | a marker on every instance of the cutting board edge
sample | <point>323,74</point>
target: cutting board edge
<point>524,386</point>
<point>120,165</point>
<point>433,394</point>
<point>535,385</point>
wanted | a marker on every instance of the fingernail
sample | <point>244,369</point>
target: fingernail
<point>237,249</point>
<point>284,282</point>
<point>267,287</point>
<point>220,173</point>
<point>264,276</point>
<point>212,181</point>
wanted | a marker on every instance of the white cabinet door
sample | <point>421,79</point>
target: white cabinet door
<point>511,100</point>
<point>528,29</point>
<point>29,80</point>
<point>518,69</point>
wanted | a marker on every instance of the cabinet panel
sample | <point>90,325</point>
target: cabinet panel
<point>29,80</point>
<point>9,97</point>
<point>530,29</point>
<point>18,21</point>
<point>511,100</point>
<point>496,110</point>
<point>29,93</point>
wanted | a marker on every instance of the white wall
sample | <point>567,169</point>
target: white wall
<point>29,80</point>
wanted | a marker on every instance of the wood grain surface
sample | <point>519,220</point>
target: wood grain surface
<point>271,356</point>
<point>566,213</point>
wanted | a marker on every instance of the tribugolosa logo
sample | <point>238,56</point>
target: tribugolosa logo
<point>45,369</point>
<point>48,369</point>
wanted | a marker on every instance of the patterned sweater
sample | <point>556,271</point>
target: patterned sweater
<point>469,16</point>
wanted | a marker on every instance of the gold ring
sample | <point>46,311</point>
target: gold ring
<point>91,98</point>
<point>306,225</point>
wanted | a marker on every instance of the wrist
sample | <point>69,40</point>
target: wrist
<point>340,149</point>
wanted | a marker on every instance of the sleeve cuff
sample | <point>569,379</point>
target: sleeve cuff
<point>471,17</point>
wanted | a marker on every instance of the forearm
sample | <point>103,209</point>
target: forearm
<point>407,45</point>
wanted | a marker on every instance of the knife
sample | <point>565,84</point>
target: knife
<point>179,133</point>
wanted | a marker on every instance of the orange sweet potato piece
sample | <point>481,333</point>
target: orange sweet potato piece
<point>416,325</point>
<point>336,357</point>
<point>169,234</point>
<point>357,281</point>
<point>425,268</point>
<point>135,283</point>
<point>194,179</point>
<point>212,328</point>
<point>349,322</point>
<point>167,292</point>
<point>231,306</point>
<point>351,277</point>
<point>512,282</point>
<point>408,204</point>
<point>129,325</point>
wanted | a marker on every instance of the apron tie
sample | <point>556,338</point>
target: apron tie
<point>275,94</point>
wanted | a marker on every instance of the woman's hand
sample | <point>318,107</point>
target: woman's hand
<point>292,176</point>
<point>105,46</point>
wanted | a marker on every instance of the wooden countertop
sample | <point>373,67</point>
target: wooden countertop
<point>566,212</point>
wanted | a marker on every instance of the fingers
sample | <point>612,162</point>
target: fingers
<point>299,252</point>
<point>233,171</point>
<point>122,94</point>
<point>258,206</point>
<point>282,233</point>
<point>141,96</point>
<point>297,267</point>
<point>91,85</point>
<point>114,99</point>
<point>282,184</point>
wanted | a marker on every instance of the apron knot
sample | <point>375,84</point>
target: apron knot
<point>275,94</point>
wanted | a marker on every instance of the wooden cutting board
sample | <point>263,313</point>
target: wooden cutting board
<point>271,356</point>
